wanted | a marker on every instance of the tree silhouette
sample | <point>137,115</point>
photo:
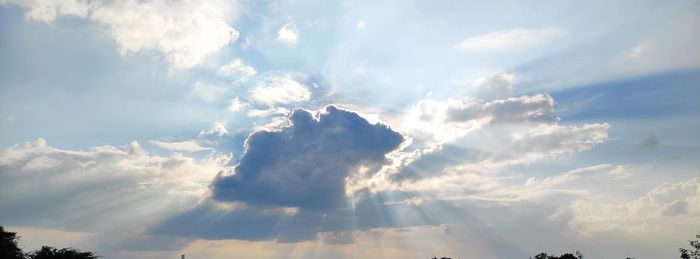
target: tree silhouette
<point>47,252</point>
<point>9,250</point>
<point>8,245</point>
<point>578,255</point>
<point>694,252</point>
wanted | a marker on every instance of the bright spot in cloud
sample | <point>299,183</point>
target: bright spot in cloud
<point>280,89</point>
<point>638,50</point>
<point>217,129</point>
<point>236,105</point>
<point>288,34</point>
<point>180,146</point>
<point>236,68</point>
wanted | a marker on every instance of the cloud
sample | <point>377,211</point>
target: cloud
<point>100,189</point>
<point>557,139</point>
<point>217,129</point>
<point>209,220</point>
<point>184,32</point>
<point>181,146</point>
<point>678,207</point>
<point>236,105</point>
<point>269,112</point>
<point>536,108</point>
<point>490,150</point>
<point>236,68</point>
<point>638,50</point>
<point>454,137</point>
<point>279,89</point>
<point>453,118</point>
<point>650,141</point>
<point>287,34</point>
<point>48,11</point>
<point>671,205</point>
<point>305,164</point>
<point>494,87</point>
<point>511,39</point>
<point>207,92</point>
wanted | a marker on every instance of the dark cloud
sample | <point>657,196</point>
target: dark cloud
<point>537,109</point>
<point>494,222</point>
<point>305,164</point>
<point>370,211</point>
<point>675,208</point>
<point>210,221</point>
<point>650,141</point>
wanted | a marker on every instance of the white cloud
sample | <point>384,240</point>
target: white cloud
<point>209,93</point>
<point>288,34</point>
<point>96,189</point>
<point>570,175</point>
<point>47,11</point>
<point>430,117</point>
<point>667,207</point>
<point>180,146</point>
<point>534,108</point>
<point>272,111</point>
<point>279,89</point>
<point>217,129</point>
<point>511,39</point>
<point>638,50</point>
<point>453,118</point>
<point>494,87</point>
<point>455,137</point>
<point>555,139</point>
<point>236,105</point>
<point>236,68</point>
<point>246,43</point>
<point>185,32</point>
<point>493,149</point>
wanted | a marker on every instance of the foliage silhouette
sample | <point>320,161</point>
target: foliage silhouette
<point>47,252</point>
<point>694,252</point>
<point>8,245</point>
<point>10,250</point>
<point>578,255</point>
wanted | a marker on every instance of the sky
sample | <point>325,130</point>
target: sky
<point>351,129</point>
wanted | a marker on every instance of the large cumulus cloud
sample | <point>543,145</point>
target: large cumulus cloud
<point>184,32</point>
<point>305,164</point>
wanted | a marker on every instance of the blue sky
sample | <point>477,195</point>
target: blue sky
<point>351,129</point>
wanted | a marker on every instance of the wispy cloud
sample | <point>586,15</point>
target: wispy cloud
<point>237,69</point>
<point>182,146</point>
<point>280,89</point>
<point>510,39</point>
